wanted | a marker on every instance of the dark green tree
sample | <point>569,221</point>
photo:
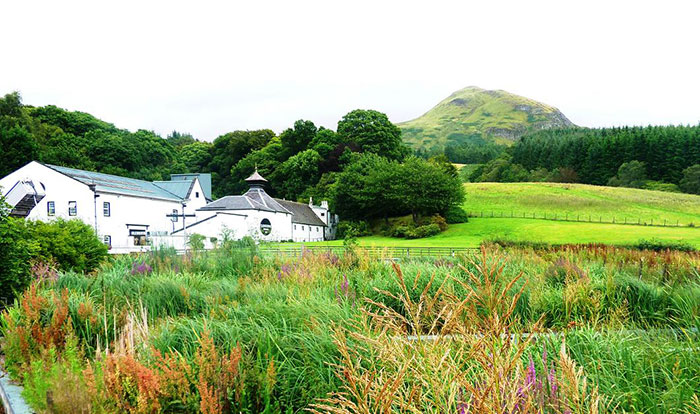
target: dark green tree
<point>372,132</point>
<point>690,183</point>
<point>298,173</point>
<point>229,149</point>
<point>298,138</point>
<point>631,174</point>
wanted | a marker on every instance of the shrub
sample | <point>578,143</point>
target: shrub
<point>196,241</point>
<point>423,231</point>
<point>72,244</point>
<point>439,221</point>
<point>661,186</point>
<point>456,215</point>
<point>353,229</point>
<point>661,245</point>
<point>16,251</point>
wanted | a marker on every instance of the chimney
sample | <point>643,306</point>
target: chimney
<point>324,204</point>
<point>311,201</point>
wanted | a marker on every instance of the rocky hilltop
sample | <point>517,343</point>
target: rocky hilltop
<point>477,115</point>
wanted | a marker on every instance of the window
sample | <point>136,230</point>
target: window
<point>139,236</point>
<point>323,214</point>
<point>72,208</point>
<point>265,227</point>
<point>196,194</point>
<point>174,216</point>
<point>105,209</point>
<point>108,241</point>
<point>51,208</point>
<point>302,227</point>
<point>295,227</point>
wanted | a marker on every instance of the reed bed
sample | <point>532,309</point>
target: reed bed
<point>575,329</point>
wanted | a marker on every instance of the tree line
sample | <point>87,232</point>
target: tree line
<point>303,161</point>
<point>654,157</point>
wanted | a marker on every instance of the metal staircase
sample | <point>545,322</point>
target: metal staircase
<point>23,197</point>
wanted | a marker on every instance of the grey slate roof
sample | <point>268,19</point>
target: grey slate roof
<point>258,195</point>
<point>240,202</point>
<point>302,213</point>
<point>116,184</point>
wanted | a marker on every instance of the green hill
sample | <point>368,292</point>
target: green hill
<point>477,115</point>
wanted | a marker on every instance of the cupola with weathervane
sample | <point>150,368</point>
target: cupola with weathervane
<point>256,180</point>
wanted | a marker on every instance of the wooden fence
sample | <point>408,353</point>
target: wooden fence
<point>374,252</point>
<point>582,218</point>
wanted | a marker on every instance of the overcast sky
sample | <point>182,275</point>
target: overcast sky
<point>208,67</point>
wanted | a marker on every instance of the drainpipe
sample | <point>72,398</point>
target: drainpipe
<point>93,188</point>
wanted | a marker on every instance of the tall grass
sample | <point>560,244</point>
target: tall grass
<point>283,328</point>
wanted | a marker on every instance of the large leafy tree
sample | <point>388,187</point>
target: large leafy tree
<point>630,174</point>
<point>428,188</point>
<point>375,187</point>
<point>298,138</point>
<point>229,149</point>
<point>266,160</point>
<point>19,146</point>
<point>372,132</point>
<point>297,174</point>
<point>196,156</point>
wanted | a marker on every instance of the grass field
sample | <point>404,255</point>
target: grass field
<point>556,232</point>
<point>563,199</point>
<point>583,200</point>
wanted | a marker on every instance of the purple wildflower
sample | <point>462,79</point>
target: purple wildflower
<point>531,375</point>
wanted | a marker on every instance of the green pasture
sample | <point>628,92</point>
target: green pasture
<point>581,201</point>
<point>555,232</point>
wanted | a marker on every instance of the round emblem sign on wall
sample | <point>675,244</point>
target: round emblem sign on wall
<point>265,227</point>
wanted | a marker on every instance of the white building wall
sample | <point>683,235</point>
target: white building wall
<point>281,225</point>
<point>307,233</point>
<point>127,213</point>
<point>59,188</point>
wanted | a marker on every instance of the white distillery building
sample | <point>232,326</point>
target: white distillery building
<point>132,215</point>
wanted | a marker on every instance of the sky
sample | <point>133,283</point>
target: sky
<point>210,67</point>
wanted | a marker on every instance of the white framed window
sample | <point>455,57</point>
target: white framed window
<point>72,208</point>
<point>302,227</point>
<point>106,210</point>
<point>107,240</point>
<point>174,216</point>
<point>51,208</point>
<point>295,227</point>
